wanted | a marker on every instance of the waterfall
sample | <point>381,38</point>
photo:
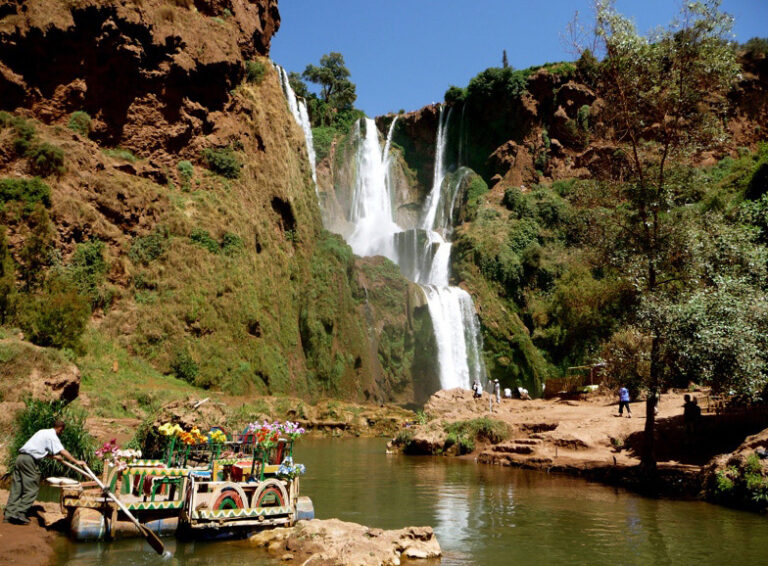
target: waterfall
<point>423,253</point>
<point>371,211</point>
<point>298,108</point>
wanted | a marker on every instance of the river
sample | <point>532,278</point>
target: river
<point>482,515</point>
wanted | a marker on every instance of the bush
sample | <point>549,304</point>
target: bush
<point>55,317</point>
<point>45,159</point>
<point>476,189</point>
<point>757,46</point>
<point>322,138</point>
<point>203,239</point>
<point>120,153</point>
<point>497,83</point>
<point>231,243</point>
<point>184,366</point>
<point>187,171</point>
<point>80,122</point>
<point>145,249</point>
<point>88,270</point>
<point>38,415</point>
<point>254,71</point>
<point>465,433</point>
<point>455,94</point>
<point>28,191</point>
<point>25,133</point>
<point>223,161</point>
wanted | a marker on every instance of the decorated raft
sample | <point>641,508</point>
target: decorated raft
<point>207,486</point>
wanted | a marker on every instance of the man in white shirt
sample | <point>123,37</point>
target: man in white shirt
<point>26,475</point>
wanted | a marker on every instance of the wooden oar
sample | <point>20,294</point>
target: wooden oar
<point>151,538</point>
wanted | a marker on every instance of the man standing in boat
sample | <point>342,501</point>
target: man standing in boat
<point>26,475</point>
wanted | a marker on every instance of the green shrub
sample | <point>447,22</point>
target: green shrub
<point>203,239</point>
<point>45,159</point>
<point>465,433</point>
<point>120,153</point>
<point>322,137</point>
<point>24,134</point>
<point>145,249</point>
<point>756,46</point>
<point>724,483</point>
<point>476,189</point>
<point>88,270</point>
<point>231,243</point>
<point>187,171</point>
<point>56,316</point>
<point>184,366</point>
<point>223,161</point>
<point>80,122</point>
<point>38,415</point>
<point>455,94</point>
<point>28,191</point>
<point>582,117</point>
<point>254,71</point>
<point>497,83</point>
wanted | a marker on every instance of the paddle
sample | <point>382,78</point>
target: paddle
<point>151,538</point>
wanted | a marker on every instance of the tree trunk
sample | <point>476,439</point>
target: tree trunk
<point>648,458</point>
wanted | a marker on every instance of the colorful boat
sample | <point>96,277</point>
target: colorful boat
<point>200,489</point>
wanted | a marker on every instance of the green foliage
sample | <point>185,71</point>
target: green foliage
<point>455,95</point>
<point>145,249</point>
<point>582,118</point>
<point>45,159</point>
<point>184,366</point>
<point>88,270</point>
<point>254,71</point>
<point>24,132</point>
<point>80,122</point>
<point>55,316</point>
<point>497,83</point>
<point>588,67</point>
<point>223,161</point>
<point>231,244</point>
<point>120,153</point>
<point>203,239</point>
<point>475,191</point>
<point>756,46</point>
<point>333,77</point>
<point>299,87</point>
<point>724,481</point>
<point>35,254</point>
<point>38,415</point>
<point>28,191</point>
<point>8,293</point>
<point>187,171</point>
<point>466,433</point>
<point>323,137</point>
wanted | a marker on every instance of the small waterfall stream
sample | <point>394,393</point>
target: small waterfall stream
<point>298,108</point>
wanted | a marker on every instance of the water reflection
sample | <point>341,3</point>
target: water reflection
<point>484,515</point>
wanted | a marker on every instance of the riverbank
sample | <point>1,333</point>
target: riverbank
<point>28,545</point>
<point>586,437</point>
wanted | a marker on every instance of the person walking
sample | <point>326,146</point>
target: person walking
<point>624,402</point>
<point>497,391</point>
<point>25,481</point>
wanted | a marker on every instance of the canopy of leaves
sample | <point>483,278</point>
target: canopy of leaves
<point>333,77</point>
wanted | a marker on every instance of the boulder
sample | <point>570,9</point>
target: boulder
<point>339,543</point>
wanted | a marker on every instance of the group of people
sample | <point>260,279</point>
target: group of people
<point>25,480</point>
<point>691,409</point>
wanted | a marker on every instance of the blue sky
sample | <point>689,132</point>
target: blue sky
<point>406,53</point>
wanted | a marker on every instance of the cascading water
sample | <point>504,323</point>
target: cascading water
<point>298,108</point>
<point>422,252</point>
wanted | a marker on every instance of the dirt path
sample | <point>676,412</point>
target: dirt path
<point>25,545</point>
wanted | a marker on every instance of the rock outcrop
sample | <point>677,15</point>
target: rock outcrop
<point>333,542</point>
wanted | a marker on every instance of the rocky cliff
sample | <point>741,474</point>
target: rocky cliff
<point>169,152</point>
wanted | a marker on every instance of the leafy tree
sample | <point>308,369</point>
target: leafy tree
<point>56,316</point>
<point>333,77</point>
<point>299,86</point>
<point>7,280</point>
<point>34,255</point>
<point>757,46</point>
<point>664,96</point>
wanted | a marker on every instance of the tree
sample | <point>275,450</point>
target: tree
<point>299,87</point>
<point>35,254</point>
<point>333,77</point>
<point>7,280</point>
<point>504,60</point>
<point>665,96</point>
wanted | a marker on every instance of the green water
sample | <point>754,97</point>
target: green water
<point>482,515</point>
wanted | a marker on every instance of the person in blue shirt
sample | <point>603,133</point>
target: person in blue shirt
<point>624,402</point>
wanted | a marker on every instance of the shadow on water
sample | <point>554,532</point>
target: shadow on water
<point>483,515</point>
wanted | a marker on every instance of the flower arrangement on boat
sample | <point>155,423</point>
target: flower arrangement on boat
<point>110,453</point>
<point>289,470</point>
<point>217,437</point>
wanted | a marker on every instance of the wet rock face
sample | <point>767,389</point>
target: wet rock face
<point>129,63</point>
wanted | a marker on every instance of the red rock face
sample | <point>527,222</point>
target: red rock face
<point>148,71</point>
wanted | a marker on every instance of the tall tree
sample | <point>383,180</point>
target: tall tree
<point>665,95</point>
<point>504,60</point>
<point>333,77</point>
